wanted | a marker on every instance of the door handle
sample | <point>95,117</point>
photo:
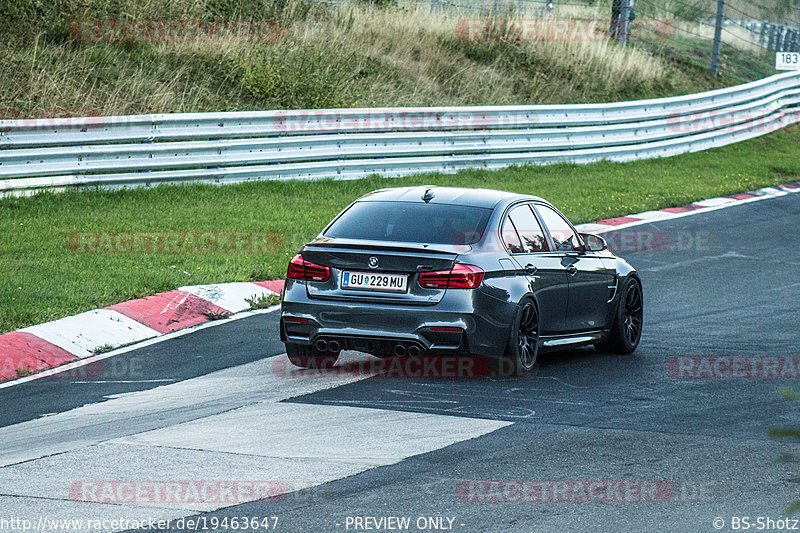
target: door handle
<point>530,269</point>
<point>572,270</point>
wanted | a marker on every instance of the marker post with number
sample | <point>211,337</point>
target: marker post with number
<point>787,61</point>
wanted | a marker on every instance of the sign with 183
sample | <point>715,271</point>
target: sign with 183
<point>787,61</point>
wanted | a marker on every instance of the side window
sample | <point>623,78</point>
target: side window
<point>511,238</point>
<point>528,228</point>
<point>564,237</point>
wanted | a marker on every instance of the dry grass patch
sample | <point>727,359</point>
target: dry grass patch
<point>344,55</point>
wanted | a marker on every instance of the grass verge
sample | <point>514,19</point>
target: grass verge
<point>45,278</point>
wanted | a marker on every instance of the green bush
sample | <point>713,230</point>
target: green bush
<point>300,77</point>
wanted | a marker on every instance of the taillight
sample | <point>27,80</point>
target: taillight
<point>460,277</point>
<point>302,269</point>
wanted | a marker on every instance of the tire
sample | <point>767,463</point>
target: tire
<point>627,329</point>
<point>522,349</point>
<point>306,356</point>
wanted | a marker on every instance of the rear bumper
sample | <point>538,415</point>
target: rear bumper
<point>457,324</point>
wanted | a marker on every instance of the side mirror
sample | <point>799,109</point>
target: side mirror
<point>594,243</point>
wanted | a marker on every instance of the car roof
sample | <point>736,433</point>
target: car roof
<point>446,195</point>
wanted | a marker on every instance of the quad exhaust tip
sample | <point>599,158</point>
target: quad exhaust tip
<point>400,349</point>
<point>413,350</point>
<point>328,345</point>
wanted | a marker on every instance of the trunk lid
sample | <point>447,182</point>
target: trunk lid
<point>354,256</point>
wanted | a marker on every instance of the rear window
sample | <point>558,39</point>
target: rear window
<point>411,222</point>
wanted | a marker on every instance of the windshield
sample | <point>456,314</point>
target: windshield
<point>411,222</point>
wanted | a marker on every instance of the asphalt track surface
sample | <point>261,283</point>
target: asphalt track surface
<point>727,285</point>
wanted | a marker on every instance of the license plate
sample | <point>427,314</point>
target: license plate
<point>375,281</point>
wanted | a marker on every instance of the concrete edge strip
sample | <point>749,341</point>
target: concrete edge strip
<point>50,347</point>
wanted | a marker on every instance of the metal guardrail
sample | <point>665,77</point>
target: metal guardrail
<point>146,150</point>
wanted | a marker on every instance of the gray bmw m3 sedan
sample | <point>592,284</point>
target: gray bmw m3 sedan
<point>425,271</point>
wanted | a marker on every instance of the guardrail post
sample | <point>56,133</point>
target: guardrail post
<point>771,39</point>
<point>717,37</point>
<point>624,21</point>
